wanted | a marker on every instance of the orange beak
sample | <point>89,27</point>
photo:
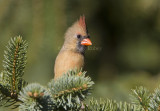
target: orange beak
<point>86,42</point>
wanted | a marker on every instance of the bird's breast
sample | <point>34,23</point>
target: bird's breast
<point>66,61</point>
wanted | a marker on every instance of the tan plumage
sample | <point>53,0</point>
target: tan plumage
<point>71,55</point>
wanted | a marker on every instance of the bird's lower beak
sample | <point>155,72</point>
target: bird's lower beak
<point>86,42</point>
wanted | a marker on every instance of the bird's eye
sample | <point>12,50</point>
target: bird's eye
<point>78,36</point>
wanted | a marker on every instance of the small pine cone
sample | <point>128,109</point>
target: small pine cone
<point>79,74</point>
<point>41,94</point>
<point>36,94</point>
<point>30,94</point>
<point>85,85</point>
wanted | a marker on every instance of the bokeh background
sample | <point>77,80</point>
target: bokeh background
<point>125,35</point>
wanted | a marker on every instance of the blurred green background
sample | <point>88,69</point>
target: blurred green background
<point>125,35</point>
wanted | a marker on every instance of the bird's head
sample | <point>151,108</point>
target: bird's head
<point>77,37</point>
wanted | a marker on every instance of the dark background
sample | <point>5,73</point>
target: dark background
<point>125,35</point>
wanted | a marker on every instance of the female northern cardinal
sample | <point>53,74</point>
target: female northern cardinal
<point>71,55</point>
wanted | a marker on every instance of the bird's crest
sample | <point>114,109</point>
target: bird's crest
<point>82,22</point>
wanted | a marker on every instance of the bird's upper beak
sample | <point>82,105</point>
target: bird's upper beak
<point>86,42</point>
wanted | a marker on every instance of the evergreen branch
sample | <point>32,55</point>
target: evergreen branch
<point>5,94</point>
<point>35,97</point>
<point>14,63</point>
<point>110,105</point>
<point>141,96</point>
<point>155,100</point>
<point>70,90</point>
<point>14,67</point>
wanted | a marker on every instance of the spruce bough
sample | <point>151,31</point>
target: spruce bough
<point>67,93</point>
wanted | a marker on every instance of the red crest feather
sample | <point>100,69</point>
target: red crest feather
<point>82,22</point>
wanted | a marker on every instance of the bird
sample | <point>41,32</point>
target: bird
<point>72,52</point>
